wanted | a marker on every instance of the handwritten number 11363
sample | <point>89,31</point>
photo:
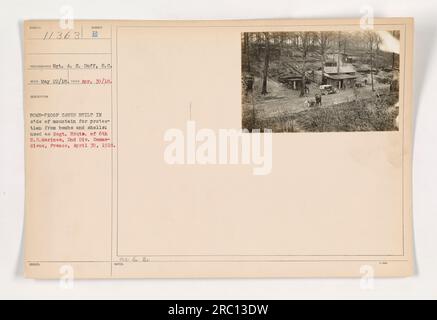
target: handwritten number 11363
<point>61,35</point>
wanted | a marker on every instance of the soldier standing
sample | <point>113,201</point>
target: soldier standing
<point>318,99</point>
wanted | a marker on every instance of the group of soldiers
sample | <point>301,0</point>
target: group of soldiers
<point>316,102</point>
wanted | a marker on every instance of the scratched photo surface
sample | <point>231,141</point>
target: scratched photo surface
<point>320,81</point>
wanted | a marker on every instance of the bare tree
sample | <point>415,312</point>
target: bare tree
<point>346,37</point>
<point>281,43</point>
<point>304,47</point>
<point>324,40</point>
<point>396,34</point>
<point>266,63</point>
<point>246,50</point>
<point>373,43</point>
<point>339,42</point>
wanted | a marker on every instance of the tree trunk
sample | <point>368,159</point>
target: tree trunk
<point>247,51</point>
<point>371,68</point>
<point>394,55</point>
<point>302,88</point>
<point>323,48</point>
<point>266,64</point>
<point>323,68</point>
<point>281,44</point>
<point>339,52</point>
<point>258,46</point>
<point>393,61</point>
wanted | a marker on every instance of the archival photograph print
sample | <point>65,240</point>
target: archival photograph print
<point>320,81</point>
